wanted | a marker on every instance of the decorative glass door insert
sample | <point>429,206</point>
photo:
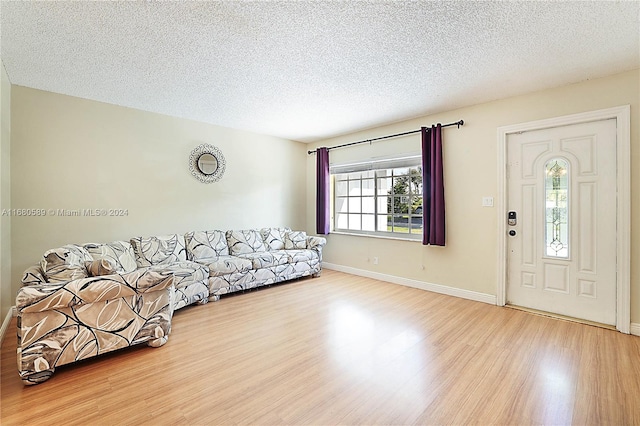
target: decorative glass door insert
<point>557,208</point>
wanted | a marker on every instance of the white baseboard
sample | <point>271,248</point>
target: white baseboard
<point>422,285</point>
<point>5,324</point>
<point>635,329</point>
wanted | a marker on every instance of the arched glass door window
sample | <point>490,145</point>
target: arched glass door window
<point>556,189</point>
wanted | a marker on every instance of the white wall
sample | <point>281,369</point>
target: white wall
<point>469,260</point>
<point>6,294</point>
<point>71,153</point>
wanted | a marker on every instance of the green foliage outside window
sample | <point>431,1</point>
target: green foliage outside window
<point>405,194</point>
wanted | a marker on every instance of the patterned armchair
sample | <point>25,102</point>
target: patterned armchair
<point>65,315</point>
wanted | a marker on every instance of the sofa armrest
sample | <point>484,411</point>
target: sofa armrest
<point>316,242</point>
<point>48,296</point>
<point>33,276</point>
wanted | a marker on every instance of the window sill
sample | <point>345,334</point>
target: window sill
<point>382,237</point>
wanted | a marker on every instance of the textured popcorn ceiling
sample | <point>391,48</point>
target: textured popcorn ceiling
<point>310,70</point>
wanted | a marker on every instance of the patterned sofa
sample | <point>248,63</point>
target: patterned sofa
<point>241,260</point>
<point>85,300</point>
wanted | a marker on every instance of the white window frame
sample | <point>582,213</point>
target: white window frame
<point>410,161</point>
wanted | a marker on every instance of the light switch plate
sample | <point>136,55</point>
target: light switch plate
<point>487,201</point>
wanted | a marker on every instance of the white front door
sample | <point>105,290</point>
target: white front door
<point>562,248</point>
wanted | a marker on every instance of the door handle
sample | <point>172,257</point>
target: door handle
<point>512,233</point>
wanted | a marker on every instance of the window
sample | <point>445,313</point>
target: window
<point>384,199</point>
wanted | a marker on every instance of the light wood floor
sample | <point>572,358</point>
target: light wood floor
<point>343,349</point>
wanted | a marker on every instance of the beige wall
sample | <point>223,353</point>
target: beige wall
<point>71,153</point>
<point>469,261</point>
<point>6,294</point>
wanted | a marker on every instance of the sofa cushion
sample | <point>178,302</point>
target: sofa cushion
<point>99,267</point>
<point>185,272</point>
<point>304,255</point>
<point>295,240</point>
<point>120,253</point>
<point>246,241</point>
<point>265,259</point>
<point>274,237</point>
<point>206,244</point>
<point>65,263</point>
<point>223,265</point>
<point>158,250</point>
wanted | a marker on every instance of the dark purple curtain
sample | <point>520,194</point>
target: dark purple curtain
<point>432,187</point>
<point>323,216</point>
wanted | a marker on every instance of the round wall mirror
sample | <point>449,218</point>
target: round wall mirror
<point>207,164</point>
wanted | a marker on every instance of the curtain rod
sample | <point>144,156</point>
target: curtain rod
<point>457,123</point>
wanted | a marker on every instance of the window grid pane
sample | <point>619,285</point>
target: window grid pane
<point>384,201</point>
<point>354,222</point>
<point>354,187</point>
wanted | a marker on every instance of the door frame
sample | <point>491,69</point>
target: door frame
<point>622,115</point>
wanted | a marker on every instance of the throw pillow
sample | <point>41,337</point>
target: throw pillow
<point>158,250</point>
<point>100,267</point>
<point>295,240</point>
<point>246,241</point>
<point>274,237</point>
<point>206,244</point>
<point>120,253</point>
<point>65,263</point>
